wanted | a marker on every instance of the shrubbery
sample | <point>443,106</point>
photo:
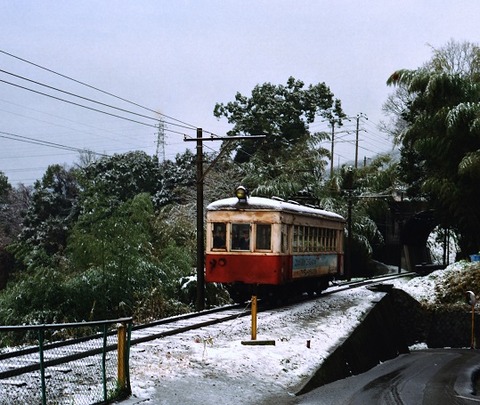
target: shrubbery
<point>465,276</point>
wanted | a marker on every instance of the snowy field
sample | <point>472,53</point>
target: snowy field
<point>212,364</point>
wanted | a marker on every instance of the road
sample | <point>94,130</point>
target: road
<point>427,377</point>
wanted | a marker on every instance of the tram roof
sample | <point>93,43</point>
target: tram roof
<point>267,204</point>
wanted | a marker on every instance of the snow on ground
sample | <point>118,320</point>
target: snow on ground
<point>423,288</point>
<point>212,364</point>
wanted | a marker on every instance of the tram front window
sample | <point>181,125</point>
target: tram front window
<point>240,237</point>
<point>219,234</point>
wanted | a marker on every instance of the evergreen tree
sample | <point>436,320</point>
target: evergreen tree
<point>441,145</point>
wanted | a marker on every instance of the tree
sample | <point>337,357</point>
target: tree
<point>282,113</point>
<point>13,205</point>
<point>441,145</point>
<point>461,58</point>
<point>289,162</point>
<point>5,192</point>
<point>118,178</point>
<point>52,211</point>
<point>112,246</point>
<point>297,175</point>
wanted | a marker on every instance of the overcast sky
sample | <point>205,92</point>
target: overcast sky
<point>181,57</point>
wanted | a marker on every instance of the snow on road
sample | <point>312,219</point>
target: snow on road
<point>211,365</point>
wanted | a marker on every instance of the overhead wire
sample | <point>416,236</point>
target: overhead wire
<point>85,98</point>
<point>26,139</point>
<point>79,105</point>
<point>95,88</point>
<point>174,122</point>
<point>183,125</point>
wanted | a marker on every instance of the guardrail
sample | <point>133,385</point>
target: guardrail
<point>93,369</point>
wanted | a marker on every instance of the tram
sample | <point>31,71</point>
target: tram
<point>271,247</point>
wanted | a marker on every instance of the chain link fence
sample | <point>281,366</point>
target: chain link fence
<point>92,369</point>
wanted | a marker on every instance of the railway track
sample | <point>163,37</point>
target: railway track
<point>183,323</point>
<point>58,355</point>
<point>193,321</point>
<point>154,330</point>
<point>62,352</point>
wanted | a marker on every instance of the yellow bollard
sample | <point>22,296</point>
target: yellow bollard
<point>254,317</point>
<point>254,341</point>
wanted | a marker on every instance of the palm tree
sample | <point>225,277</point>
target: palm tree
<point>441,143</point>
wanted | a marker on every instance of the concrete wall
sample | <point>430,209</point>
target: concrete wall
<point>377,338</point>
<point>394,323</point>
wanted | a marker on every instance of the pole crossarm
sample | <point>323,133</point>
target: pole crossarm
<point>187,138</point>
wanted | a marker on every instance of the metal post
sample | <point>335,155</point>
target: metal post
<point>350,237</point>
<point>472,345</point>
<point>200,302</point>
<point>333,145</point>
<point>254,317</point>
<point>356,142</point>
<point>472,300</point>
<point>42,366</point>
<point>360,115</point>
<point>104,361</point>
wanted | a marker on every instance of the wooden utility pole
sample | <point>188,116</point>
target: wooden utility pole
<point>200,300</point>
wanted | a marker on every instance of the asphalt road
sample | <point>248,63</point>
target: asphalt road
<point>427,377</point>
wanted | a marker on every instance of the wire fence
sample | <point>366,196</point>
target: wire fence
<point>93,369</point>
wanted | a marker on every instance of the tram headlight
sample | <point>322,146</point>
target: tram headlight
<point>241,193</point>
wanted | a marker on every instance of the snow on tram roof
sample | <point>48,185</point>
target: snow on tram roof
<point>267,204</point>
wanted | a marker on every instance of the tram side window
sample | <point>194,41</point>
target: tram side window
<point>263,238</point>
<point>295,238</point>
<point>315,239</point>
<point>330,240</point>
<point>327,240</point>
<point>306,242</point>
<point>219,235</point>
<point>300,234</point>
<point>334,240</point>
<point>240,236</point>
<point>284,239</point>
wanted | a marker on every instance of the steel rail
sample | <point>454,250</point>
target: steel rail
<point>156,335</point>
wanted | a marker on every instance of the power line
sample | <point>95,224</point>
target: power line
<point>94,88</point>
<point>68,120</point>
<point>26,139</point>
<point>92,108</point>
<point>77,104</point>
<point>78,96</point>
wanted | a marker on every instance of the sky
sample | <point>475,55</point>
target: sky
<point>177,59</point>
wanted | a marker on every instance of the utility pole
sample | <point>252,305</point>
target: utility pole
<point>349,180</point>
<point>360,115</point>
<point>200,301</point>
<point>332,148</point>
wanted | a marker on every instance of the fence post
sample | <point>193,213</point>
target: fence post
<point>121,371</point>
<point>104,358</point>
<point>42,366</point>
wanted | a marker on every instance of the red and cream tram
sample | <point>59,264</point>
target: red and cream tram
<point>268,246</point>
